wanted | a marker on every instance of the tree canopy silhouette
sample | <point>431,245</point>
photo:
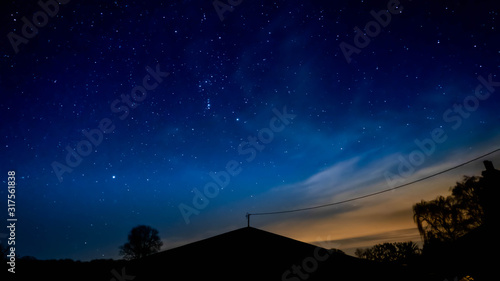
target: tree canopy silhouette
<point>142,241</point>
<point>470,205</point>
<point>447,218</point>
<point>398,252</point>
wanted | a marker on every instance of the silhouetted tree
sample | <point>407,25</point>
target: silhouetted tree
<point>142,241</point>
<point>399,252</point>
<point>362,253</point>
<point>447,218</point>
<point>489,194</point>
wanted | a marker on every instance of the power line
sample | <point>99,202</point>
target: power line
<point>371,194</point>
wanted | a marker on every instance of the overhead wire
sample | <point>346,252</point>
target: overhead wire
<point>374,193</point>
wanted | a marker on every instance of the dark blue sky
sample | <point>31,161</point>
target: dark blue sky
<point>352,122</point>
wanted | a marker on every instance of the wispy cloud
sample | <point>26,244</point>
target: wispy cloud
<point>369,217</point>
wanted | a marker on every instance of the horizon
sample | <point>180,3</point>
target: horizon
<point>187,116</point>
<point>347,244</point>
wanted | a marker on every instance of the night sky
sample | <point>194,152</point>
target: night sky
<point>185,115</point>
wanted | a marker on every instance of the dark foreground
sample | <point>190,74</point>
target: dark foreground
<point>253,254</point>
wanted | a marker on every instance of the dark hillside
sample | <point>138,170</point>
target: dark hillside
<point>243,254</point>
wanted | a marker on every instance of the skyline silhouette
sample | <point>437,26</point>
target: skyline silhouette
<point>185,116</point>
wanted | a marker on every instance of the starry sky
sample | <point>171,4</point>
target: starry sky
<point>186,115</point>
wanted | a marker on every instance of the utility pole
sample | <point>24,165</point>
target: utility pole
<point>248,219</point>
